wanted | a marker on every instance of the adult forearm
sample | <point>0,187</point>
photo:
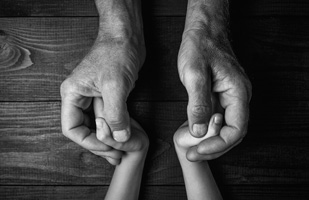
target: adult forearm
<point>210,17</point>
<point>119,19</point>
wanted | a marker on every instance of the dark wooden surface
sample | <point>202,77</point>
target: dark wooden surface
<point>153,192</point>
<point>157,8</point>
<point>271,40</point>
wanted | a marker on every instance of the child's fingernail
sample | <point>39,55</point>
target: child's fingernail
<point>199,129</point>
<point>121,136</point>
<point>99,123</point>
<point>218,119</point>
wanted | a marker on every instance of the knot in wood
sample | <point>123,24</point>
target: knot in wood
<point>12,56</point>
<point>2,33</point>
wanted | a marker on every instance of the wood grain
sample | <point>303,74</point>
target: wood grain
<point>33,150</point>
<point>13,57</point>
<point>231,192</point>
<point>154,7</point>
<point>274,52</point>
<point>270,39</point>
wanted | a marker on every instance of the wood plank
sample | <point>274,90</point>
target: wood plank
<point>269,8</point>
<point>154,7</point>
<point>56,51</point>
<point>244,192</point>
<point>274,52</point>
<point>33,150</point>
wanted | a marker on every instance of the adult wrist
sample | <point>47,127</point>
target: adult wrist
<point>207,17</point>
<point>120,19</point>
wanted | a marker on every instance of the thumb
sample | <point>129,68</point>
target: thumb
<point>199,108</point>
<point>115,112</point>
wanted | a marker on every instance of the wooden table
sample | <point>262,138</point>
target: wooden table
<point>271,41</point>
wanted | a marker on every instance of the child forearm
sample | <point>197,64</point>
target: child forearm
<point>198,178</point>
<point>126,181</point>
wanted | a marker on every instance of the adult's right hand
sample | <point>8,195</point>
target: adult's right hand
<point>109,71</point>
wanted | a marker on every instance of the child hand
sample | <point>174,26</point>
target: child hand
<point>138,142</point>
<point>183,140</point>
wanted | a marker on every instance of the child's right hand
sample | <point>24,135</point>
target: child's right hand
<point>183,140</point>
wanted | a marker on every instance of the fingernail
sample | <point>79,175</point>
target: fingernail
<point>218,119</point>
<point>199,129</point>
<point>121,136</point>
<point>99,123</point>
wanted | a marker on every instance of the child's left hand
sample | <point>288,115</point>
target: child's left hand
<point>138,142</point>
<point>126,180</point>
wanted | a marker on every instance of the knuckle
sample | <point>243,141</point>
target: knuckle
<point>242,87</point>
<point>101,137</point>
<point>200,110</point>
<point>65,87</point>
<point>114,83</point>
<point>76,86</point>
<point>117,118</point>
<point>65,133</point>
<point>178,141</point>
<point>194,75</point>
<point>69,86</point>
<point>244,83</point>
<point>115,121</point>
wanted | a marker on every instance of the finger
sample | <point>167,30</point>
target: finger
<point>72,122</point>
<point>133,144</point>
<point>113,153</point>
<point>98,107</point>
<point>194,156</point>
<point>183,138</point>
<point>113,161</point>
<point>115,111</point>
<point>214,126</point>
<point>236,116</point>
<point>199,110</point>
<point>234,97</point>
<point>104,133</point>
<point>186,139</point>
<point>102,129</point>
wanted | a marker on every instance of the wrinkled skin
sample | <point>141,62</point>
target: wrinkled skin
<point>138,141</point>
<point>206,65</point>
<point>109,71</point>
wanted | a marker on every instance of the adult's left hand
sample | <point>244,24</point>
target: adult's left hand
<point>207,66</point>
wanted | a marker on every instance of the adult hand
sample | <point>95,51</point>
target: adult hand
<point>109,71</point>
<point>183,140</point>
<point>208,65</point>
<point>138,142</point>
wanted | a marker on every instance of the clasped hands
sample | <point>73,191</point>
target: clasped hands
<point>106,76</point>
